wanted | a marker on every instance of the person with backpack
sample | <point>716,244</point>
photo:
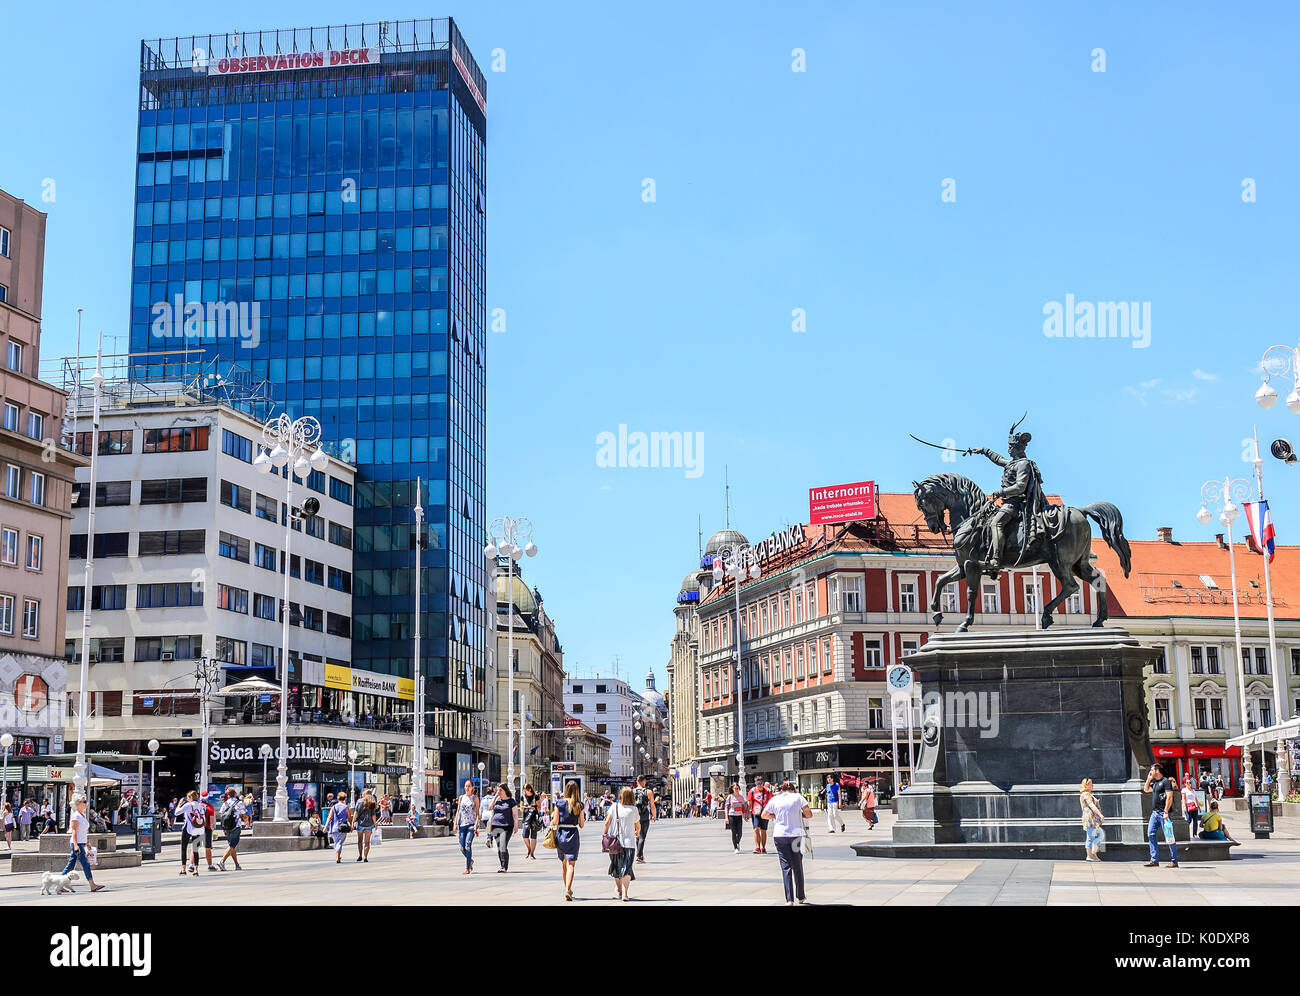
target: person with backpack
<point>232,816</point>
<point>647,812</point>
<point>192,815</point>
<point>337,826</point>
<point>621,835</point>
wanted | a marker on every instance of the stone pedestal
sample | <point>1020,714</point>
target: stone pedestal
<point>1011,724</point>
<point>54,848</point>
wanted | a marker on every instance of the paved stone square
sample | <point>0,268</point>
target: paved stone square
<point>690,862</point>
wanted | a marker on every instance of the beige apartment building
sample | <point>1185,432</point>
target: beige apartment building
<point>35,507</point>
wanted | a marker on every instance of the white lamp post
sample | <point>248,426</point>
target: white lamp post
<point>153,782</point>
<point>737,563</point>
<point>6,741</point>
<point>417,720</point>
<point>1219,495</point>
<point>265,753</point>
<point>512,539</point>
<point>293,446</point>
<point>80,770</point>
<point>352,776</point>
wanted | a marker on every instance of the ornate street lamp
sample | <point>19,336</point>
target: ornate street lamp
<point>738,563</point>
<point>512,539</point>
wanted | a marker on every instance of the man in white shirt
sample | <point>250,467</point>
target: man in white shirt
<point>787,810</point>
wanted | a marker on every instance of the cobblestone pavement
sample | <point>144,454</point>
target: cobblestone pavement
<point>690,862</point>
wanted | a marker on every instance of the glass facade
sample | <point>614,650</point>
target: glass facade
<point>336,215</point>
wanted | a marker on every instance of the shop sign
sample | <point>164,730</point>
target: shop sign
<point>369,683</point>
<point>282,62</point>
<point>31,693</point>
<point>564,766</point>
<point>338,676</point>
<point>391,769</point>
<point>842,503</point>
<point>299,751</point>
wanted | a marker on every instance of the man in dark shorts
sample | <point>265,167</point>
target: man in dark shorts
<point>646,811</point>
<point>758,798</point>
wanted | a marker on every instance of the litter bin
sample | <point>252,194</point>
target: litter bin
<point>148,836</point>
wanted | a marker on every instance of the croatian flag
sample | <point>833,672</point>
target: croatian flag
<point>1261,525</point>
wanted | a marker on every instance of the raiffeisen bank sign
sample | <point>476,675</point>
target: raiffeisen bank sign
<point>281,62</point>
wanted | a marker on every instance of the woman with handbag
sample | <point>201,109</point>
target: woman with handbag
<point>336,825</point>
<point>569,818</point>
<point>531,820</point>
<point>736,808</point>
<point>467,824</point>
<point>622,827</point>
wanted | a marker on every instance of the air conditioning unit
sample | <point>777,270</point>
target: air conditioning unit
<point>167,655</point>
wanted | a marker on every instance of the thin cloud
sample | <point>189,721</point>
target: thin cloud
<point>1200,374</point>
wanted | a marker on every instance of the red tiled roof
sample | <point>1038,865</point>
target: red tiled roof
<point>1166,580</point>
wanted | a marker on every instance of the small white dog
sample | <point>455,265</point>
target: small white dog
<point>53,883</point>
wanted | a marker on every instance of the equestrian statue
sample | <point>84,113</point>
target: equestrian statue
<point>1015,527</point>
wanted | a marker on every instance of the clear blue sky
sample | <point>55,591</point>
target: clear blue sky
<point>779,190</point>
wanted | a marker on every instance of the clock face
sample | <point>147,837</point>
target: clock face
<point>900,677</point>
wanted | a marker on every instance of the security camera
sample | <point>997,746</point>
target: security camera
<point>1281,449</point>
<point>312,506</point>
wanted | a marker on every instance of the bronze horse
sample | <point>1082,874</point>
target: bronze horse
<point>969,510</point>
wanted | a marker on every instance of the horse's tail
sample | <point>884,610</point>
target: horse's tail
<point>1111,522</point>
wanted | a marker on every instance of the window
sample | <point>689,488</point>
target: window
<point>232,599</point>
<point>236,497</point>
<point>950,604</point>
<point>1216,714</point>
<point>35,549</point>
<point>340,580</point>
<point>4,293</point>
<point>1261,662</point>
<point>312,618</point>
<point>174,490</point>
<point>233,547</point>
<point>174,542</point>
<point>789,663</point>
<point>600,706</point>
<point>1265,713</point>
<point>1202,713</point>
<point>1163,721</point>
<point>265,557</point>
<point>107,494</point>
<point>7,614</point>
<point>1212,661</point>
<point>827,663</point>
<point>4,241</point>
<point>232,651</point>
<point>315,526</point>
<point>577,689</point>
<point>167,595</point>
<point>338,625</point>
<point>182,440</point>
<point>315,572</point>
<point>9,546</point>
<point>872,655</point>
<point>907,596</point>
<point>340,535</point>
<point>268,508</point>
<point>31,618</point>
<point>340,491</point>
<point>1074,603</point>
<point>1295,661</point>
<point>785,610</point>
<point>1032,601</point>
<point>875,714</point>
<point>850,593</point>
<point>316,481</point>
<point>112,443</point>
<point>35,425</point>
<point>235,445</point>
<point>106,545</point>
<point>910,645</point>
<point>798,662</point>
<point>36,489</point>
<point>1198,663</point>
<point>990,600</point>
<point>264,607</point>
<point>11,416</point>
<point>600,689</point>
<point>1160,665</point>
<point>600,728</point>
<point>13,481</point>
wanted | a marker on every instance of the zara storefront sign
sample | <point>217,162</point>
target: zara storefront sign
<point>219,753</point>
<point>282,62</point>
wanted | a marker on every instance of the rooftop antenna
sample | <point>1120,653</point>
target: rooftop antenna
<point>726,479</point>
<point>699,535</point>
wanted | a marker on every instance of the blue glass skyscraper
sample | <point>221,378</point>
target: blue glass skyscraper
<point>330,182</point>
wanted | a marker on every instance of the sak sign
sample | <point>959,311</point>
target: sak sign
<point>842,503</point>
<point>281,62</point>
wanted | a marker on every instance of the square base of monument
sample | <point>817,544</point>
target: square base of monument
<point>1188,852</point>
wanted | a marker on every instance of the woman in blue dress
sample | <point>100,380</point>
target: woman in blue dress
<point>569,818</point>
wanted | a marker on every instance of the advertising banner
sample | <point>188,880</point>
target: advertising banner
<point>842,503</point>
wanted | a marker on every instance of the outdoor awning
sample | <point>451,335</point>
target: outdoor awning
<point>1271,734</point>
<point>249,686</point>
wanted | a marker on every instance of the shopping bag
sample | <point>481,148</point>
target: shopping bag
<point>377,836</point>
<point>92,856</point>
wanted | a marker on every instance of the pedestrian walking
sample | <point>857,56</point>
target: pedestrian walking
<point>787,810</point>
<point>647,808</point>
<point>621,834</point>
<point>568,818</point>
<point>79,828</point>
<point>209,821</point>
<point>365,816</point>
<point>1162,799</point>
<point>1191,805</point>
<point>192,815</point>
<point>505,820</point>
<point>233,812</point>
<point>869,805</point>
<point>531,820</point>
<point>833,804</point>
<point>736,809</point>
<point>467,823</point>
<point>10,823</point>
<point>25,816</point>
<point>337,826</point>
<point>1093,834</point>
<point>758,798</point>
<point>485,808</point>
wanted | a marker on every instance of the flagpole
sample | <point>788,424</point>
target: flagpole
<point>1282,762</point>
